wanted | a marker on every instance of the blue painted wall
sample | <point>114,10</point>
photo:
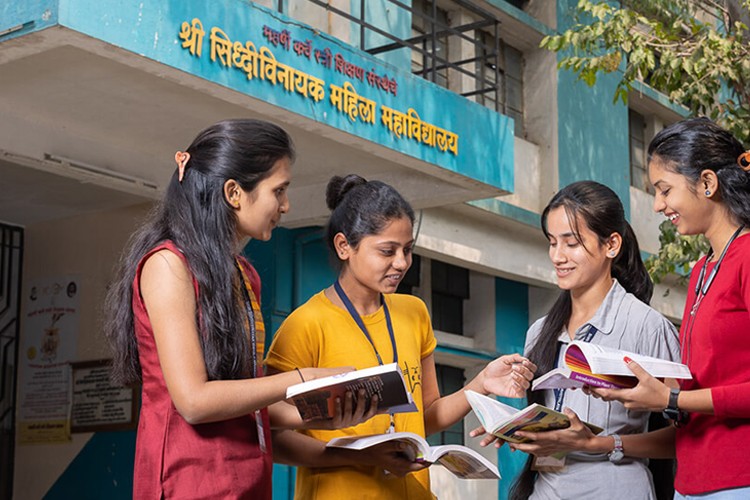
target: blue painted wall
<point>592,130</point>
<point>103,469</point>
<point>293,266</point>
<point>511,323</point>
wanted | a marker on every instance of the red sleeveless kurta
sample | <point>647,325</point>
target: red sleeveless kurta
<point>174,459</point>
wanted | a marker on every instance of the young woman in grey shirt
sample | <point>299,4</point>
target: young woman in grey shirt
<point>604,300</point>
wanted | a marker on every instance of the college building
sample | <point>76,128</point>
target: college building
<point>450,101</point>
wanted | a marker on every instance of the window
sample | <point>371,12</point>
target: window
<point>450,287</point>
<point>500,79</point>
<point>429,19</point>
<point>637,138</point>
<point>450,379</point>
<point>411,278</point>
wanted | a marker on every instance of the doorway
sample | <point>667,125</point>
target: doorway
<point>11,260</point>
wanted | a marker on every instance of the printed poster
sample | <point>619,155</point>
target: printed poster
<point>49,344</point>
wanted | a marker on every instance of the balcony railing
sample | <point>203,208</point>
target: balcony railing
<point>465,57</point>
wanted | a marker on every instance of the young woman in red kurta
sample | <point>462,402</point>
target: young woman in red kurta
<point>702,178</point>
<point>184,320</point>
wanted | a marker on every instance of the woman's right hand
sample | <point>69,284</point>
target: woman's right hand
<point>577,437</point>
<point>393,457</point>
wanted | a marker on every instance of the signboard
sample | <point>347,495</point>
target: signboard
<point>269,56</point>
<point>98,405</point>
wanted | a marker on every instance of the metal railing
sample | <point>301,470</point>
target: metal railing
<point>426,45</point>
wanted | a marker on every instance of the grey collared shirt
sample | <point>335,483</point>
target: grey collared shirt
<point>622,322</point>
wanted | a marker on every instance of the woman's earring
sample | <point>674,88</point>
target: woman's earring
<point>708,193</point>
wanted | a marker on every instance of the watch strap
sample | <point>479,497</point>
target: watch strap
<point>617,454</point>
<point>674,393</point>
<point>618,442</point>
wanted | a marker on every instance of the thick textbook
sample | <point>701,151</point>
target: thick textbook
<point>598,366</point>
<point>504,421</point>
<point>316,399</point>
<point>460,460</point>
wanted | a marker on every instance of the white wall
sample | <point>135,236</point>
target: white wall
<point>644,220</point>
<point>87,246</point>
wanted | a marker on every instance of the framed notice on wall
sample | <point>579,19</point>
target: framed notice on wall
<point>98,405</point>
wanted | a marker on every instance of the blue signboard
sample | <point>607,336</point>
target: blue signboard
<point>248,48</point>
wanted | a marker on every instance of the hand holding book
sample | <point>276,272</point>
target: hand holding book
<point>513,425</point>
<point>578,436</point>
<point>317,399</point>
<point>411,448</point>
<point>598,366</point>
<point>649,394</point>
<point>349,410</point>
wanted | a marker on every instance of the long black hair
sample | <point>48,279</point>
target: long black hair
<point>360,208</point>
<point>691,146</point>
<point>601,210</point>
<point>195,215</point>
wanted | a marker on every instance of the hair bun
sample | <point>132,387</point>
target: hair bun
<point>338,187</point>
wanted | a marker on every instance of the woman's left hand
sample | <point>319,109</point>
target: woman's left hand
<point>543,444</point>
<point>508,376</point>
<point>649,395</point>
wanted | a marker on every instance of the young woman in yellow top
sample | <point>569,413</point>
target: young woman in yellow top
<point>359,321</point>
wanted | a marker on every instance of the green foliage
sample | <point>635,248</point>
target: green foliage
<point>696,52</point>
<point>676,255</point>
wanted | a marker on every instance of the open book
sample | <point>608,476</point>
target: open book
<point>316,399</point>
<point>460,460</point>
<point>598,366</point>
<point>504,421</point>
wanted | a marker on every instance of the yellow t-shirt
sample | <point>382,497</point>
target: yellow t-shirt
<point>321,334</point>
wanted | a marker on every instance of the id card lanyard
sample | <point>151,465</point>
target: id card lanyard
<point>701,289</point>
<point>560,393</point>
<point>254,349</point>
<point>361,324</point>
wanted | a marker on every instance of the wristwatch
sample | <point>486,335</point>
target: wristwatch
<point>616,455</point>
<point>672,412</point>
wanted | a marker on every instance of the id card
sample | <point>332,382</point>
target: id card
<point>553,463</point>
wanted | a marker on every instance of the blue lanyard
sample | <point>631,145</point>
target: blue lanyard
<point>357,319</point>
<point>560,393</point>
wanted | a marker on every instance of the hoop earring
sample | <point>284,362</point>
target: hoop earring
<point>744,161</point>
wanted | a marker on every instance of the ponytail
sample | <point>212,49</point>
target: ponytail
<point>629,270</point>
